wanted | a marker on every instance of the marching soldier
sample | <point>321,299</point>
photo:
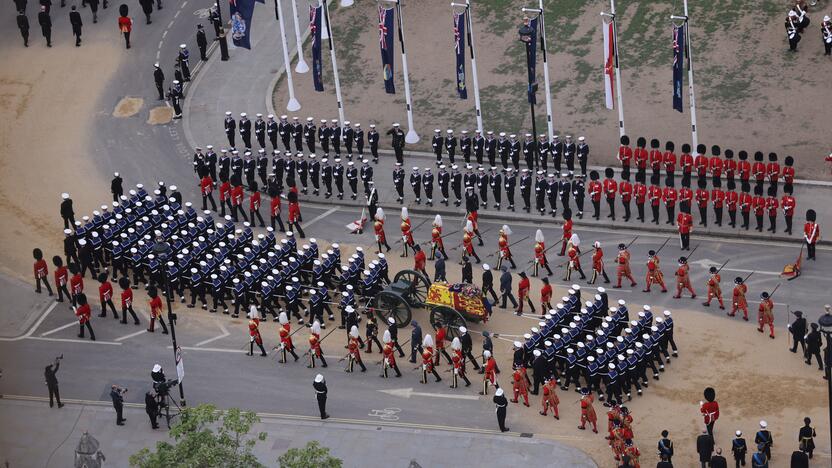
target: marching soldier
<point>540,259</point>
<point>207,188</point>
<point>67,213</point>
<point>41,272</point>
<point>714,289</point>
<point>310,132</point>
<point>458,361</point>
<point>683,279</point>
<point>798,331</point>
<point>765,314</point>
<point>598,264</point>
<point>372,139</point>
<point>587,410</point>
<point>520,386</point>
<point>82,311</point>
<point>811,233</point>
<point>407,234</point>
<point>428,366</point>
<point>574,262</point>
<point>550,398</point>
<point>622,261</point>
<point>315,345</point>
<point>738,298</point>
<point>523,288</point>
<point>254,332</point>
<point>437,244</point>
<point>489,374</point>
<point>378,228</point>
<point>654,272</point>
<point>105,295</point>
<point>354,352</point>
<point>285,332</point>
<point>389,357</point>
<point>416,184</point>
<point>505,248</point>
<point>468,240</point>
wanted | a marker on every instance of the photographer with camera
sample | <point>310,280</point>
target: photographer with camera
<point>117,394</point>
<point>151,407</point>
<point>52,381</point>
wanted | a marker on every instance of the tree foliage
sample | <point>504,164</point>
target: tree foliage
<point>312,456</point>
<point>206,437</point>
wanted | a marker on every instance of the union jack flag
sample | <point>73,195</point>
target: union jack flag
<point>382,28</point>
<point>313,13</point>
<point>456,32</point>
<point>676,45</point>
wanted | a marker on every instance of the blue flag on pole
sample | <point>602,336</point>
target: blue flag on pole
<point>532,65</point>
<point>678,66</point>
<point>241,12</point>
<point>317,63</point>
<point>386,27</point>
<point>459,48</point>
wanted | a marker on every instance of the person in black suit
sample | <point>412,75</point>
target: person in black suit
<point>52,382</point>
<point>117,395</point>
<point>704,447</point>
<point>23,26</point>
<point>75,21</point>
<point>320,393</point>
<point>718,461</point>
<point>151,407</point>
<point>45,22</point>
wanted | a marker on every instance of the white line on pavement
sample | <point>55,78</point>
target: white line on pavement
<point>71,340</point>
<point>223,335</point>
<point>321,216</point>
<point>35,326</point>
<point>131,335</point>
<point>218,350</point>
<point>62,327</point>
<point>177,13</point>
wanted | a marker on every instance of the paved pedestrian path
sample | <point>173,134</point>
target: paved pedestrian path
<point>48,437</point>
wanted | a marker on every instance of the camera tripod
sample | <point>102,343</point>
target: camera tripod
<point>165,401</point>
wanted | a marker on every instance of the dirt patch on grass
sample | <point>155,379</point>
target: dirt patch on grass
<point>128,107</point>
<point>160,115</point>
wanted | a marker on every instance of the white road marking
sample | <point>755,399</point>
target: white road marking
<point>62,327</point>
<point>176,15</point>
<point>35,326</point>
<point>218,350</point>
<point>170,24</point>
<point>223,335</point>
<point>408,392</point>
<point>131,335</point>
<point>321,216</point>
<point>71,340</point>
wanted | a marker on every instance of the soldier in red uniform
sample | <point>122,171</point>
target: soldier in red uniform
<point>588,411</point>
<point>654,272</point>
<point>811,234</point>
<point>632,452</point>
<point>744,171</point>
<point>441,336</point>
<point>714,288</point>
<point>759,204</point>
<point>610,188</point>
<point>225,198</point>
<point>353,347</point>
<point>709,409</point>
<point>523,287</point>
<point>622,262</point>
<point>765,314</point>
<point>274,211</point>
<point>701,163</point>
<point>82,311</point>
<point>598,264</point>
<point>772,206</point>
<point>76,283</point>
<point>127,301</point>
<point>61,278</point>
<point>595,190</point>
<point>437,244</point>
<point>683,279</point>
<point>669,162</point>
<point>389,359</point>
<point>285,333</point>
<point>625,188</point>
<point>731,202</point>
<point>458,361</point>
<point>729,167</point>
<point>773,171</point>
<point>655,159</point>
<point>566,231</point>
<point>642,158</point>
<point>155,304</point>
<point>758,171</point>
<point>468,241</point>
<point>315,351</point>
<point>718,200</point>
<point>625,155</point>
<point>702,198</point>
<point>407,234</point>
<point>489,375</point>
<point>254,332</point>
<point>655,194</point>
<point>520,386</point>
<point>746,204</point>
<point>427,360</point>
<point>715,166</point>
<point>573,264</point>
<point>788,204</point>
<point>550,398</point>
<point>545,295</point>
<point>505,248</point>
<point>41,271</point>
<point>294,217</point>
<point>254,201</point>
<point>686,162</point>
<point>419,260</point>
<point>105,295</point>
<point>381,237</point>
<point>684,223</point>
<point>738,301</point>
<point>237,196</point>
<point>207,187</point>
<point>640,194</point>
<point>540,259</point>
<point>685,199</point>
<point>788,171</point>
<point>669,197</point>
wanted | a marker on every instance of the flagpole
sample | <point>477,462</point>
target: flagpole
<point>412,136</point>
<point>474,66</point>
<point>301,67</point>
<point>325,9</point>
<point>549,124</point>
<point>293,103</point>
<point>694,138</point>
<point>619,98</point>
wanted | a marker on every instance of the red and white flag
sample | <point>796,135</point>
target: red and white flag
<point>609,64</point>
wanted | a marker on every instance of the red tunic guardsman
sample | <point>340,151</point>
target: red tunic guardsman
<point>746,202</point>
<point>811,233</point>
<point>441,334</point>
<point>550,398</point>
<point>715,165</point>
<point>686,162</point>
<point>610,189</point>
<point>669,159</point>
<point>788,204</point>
<point>419,260</point>
<point>237,196</point>
<point>655,157</point>
<point>738,301</point>
<point>127,303</point>
<point>294,217</point>
<point>315,346</point>
<point>41,271</point>
<point>61,277</point>
<point>772,207</point>
<point>684,223</point>
<point>765,314</point>
<point>83,312</point>
<point>669,196</point>
<point>489,375</point>
<point>683,279</point>
<point>654,272</point>
<point>773,169</point>
<point>703,196</point>
<point>685,199</point>
<point>76,283</point>
<point>655,194</point>
<point>540,259</point>
<point>427,360</point>
<point>353,347</point>
<point>625,189</point>
<point>504,245</point>
<point>709,409</point>
<point>700,162</point>
<point>588,411</point>
<point>275,209</point>
<point>566,232</point>
<point>622,261</point>
<point>574,263</point>
<point>758,169</point>
<point>718,202</point>
<point>523,287</point>
<point>155,305</point>
<point>285,332</point>
<point>378,229</point>
<point>641,156</point>
<point>788,171</point>
<point>207,188</point>
<point>105,295</point>
<point>731,203</point>
<point>598,264</point>
<point>225,197</point>
<point>640,194</point>
<point>520,386</point>
<point>714,289</point>
<point>546,295</point>
<point>625,153</point>
<point>389,356</point>
<point>254,332</point>
<point>594,189</point>
<point>759,204</point>
<point>458,361</point>
<point>407,234</point>
<point>729,167</point>
<point>437,244</point>
<point>744,168</point>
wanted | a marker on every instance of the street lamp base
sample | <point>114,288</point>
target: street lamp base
<point>411,137</point>
<point>301,67</point>
<point>293,105</point>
